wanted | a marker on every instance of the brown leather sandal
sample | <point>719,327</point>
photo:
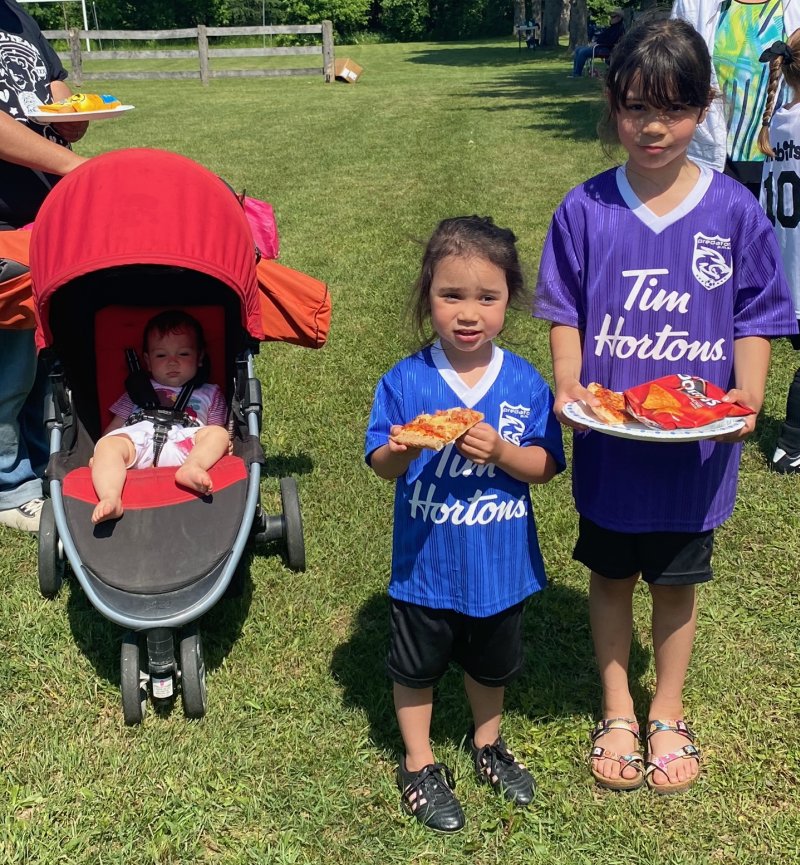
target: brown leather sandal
<point>634,759</point>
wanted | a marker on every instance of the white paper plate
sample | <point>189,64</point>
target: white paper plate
<point>635,430</point>
<point>45,118</point>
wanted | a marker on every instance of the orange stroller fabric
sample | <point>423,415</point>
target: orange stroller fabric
<point>295,307</point>
<point>16,303</point>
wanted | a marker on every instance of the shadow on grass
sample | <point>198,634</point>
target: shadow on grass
<point>567,108</point>
<point>559,677</point>
<point>283,465</point>
<point>480,54</point>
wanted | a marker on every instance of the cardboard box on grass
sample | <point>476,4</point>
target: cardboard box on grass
<point>347,70</point>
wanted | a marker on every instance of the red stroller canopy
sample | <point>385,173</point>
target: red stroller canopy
<point>142,206</point>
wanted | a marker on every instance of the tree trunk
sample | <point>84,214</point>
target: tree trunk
<point>551,16</point>
<point>577,23</point>
<point>519,13</point>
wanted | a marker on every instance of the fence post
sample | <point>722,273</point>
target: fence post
<point>327,51</point>
<point>75,57</point>
<point>202,50</point>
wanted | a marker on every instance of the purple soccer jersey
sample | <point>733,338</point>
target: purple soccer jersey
<point>654,296</point>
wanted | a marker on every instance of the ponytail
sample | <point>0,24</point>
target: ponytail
<point>764,146</point>
<point>784,60</point>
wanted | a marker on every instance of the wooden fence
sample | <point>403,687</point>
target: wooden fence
<point>202,53</point>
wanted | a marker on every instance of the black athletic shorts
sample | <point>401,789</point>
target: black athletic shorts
<point>794,339</point>
<point>662,558</point>
<point>424,641</point>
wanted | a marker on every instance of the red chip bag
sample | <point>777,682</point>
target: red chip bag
<point>679,402</point>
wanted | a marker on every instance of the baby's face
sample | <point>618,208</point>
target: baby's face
<point>172,358</point>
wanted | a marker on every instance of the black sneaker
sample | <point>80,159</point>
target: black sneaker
<point>495,765</point>
<point>428,796</point>
<point>786,463</point>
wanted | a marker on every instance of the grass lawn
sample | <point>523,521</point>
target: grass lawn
<point>294,761</point>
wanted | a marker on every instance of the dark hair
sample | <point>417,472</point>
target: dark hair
<point>173,321</point>
<point>465,237</point>
<point>787,65</point>
<point>665,62</point>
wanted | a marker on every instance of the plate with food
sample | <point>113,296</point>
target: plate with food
<point>436,430</point>
<point>688,409</point>
<point>79,108</point>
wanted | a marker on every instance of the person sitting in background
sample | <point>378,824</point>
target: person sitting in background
<point>532,39</point>
<point>603,43</point>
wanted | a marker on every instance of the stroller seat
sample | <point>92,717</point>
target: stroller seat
<point>186,540</point>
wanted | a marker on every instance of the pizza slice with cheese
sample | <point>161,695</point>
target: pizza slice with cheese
<point>611,409</point>
<point>436,430</point>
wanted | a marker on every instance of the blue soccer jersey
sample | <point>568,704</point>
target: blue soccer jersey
<point>464,535</point>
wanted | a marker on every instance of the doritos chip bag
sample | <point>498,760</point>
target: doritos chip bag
<point>679,402</point>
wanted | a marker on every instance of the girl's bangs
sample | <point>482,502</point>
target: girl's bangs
<point>657,81</point>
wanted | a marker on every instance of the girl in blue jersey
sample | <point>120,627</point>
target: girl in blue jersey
<point>465,553</point>
<point>657,267</point>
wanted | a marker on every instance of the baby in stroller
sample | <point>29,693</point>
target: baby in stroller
<point>192,436</point>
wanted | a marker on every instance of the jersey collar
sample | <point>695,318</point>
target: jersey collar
<point>657,224</point>
<point>470,396</point>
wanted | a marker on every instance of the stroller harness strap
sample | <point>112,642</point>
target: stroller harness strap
<point>142,392</point>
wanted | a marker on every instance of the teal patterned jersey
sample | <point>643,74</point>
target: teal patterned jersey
<point>743,32</point>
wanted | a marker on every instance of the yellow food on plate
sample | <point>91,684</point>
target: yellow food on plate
<point>83,102</point>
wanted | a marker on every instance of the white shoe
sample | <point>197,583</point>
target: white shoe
<point>25,517</point>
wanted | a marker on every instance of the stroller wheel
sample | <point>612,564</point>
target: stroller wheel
<point>133,680</point>
<point>292,525</point>
<point>51,561</point>
<point>193,673</point>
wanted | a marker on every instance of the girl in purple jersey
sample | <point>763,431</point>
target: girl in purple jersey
<point>654,268</point>
<point>465,554</point>
<point>780,196</point>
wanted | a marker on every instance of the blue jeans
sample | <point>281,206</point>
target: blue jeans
<point>582,54</point>
<point>24,448</point>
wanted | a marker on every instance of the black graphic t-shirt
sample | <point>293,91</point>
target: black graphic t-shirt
<point>28,65</point>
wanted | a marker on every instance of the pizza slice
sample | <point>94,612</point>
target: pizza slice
<point>612,408</point>
<point>434,431</point>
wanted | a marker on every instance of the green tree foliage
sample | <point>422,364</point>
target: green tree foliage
<point>399,19</point>
<point>402,19</point>
<point>347,15</point>
<point>443,19</point>
<point>470,19</point>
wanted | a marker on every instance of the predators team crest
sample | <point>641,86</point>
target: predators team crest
<point>512,422</point>
<point>711,260</point>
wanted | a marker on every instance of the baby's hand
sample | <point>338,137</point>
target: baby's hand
<point>573,392</point>
<point>481,444</point>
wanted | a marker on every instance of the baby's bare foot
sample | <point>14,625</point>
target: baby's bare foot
<point>195,478</point>
<point>107,509</point>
